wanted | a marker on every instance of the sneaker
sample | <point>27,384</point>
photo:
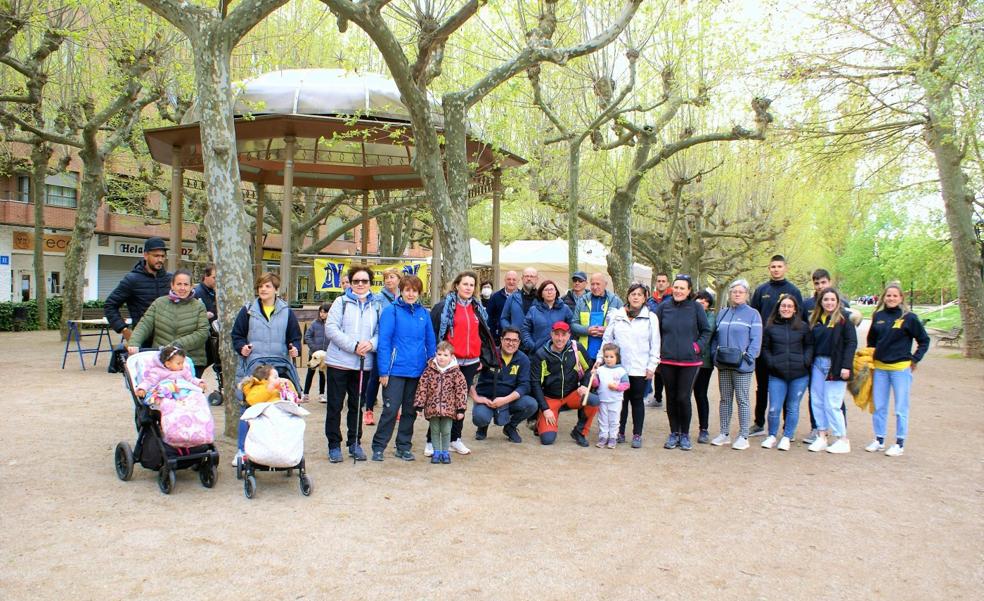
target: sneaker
<point>512,434</point>
<point>685,442</point>
<point>610,444</point>
<point>458,447</point>
<point>721,439</point>
<point>621,438</point>
<point>740,444</point>
<point>703,437</point>
<point>784,443</point>
<point>323,399</point>
<point>841,446</point>
<point>377,455</point>
<point>335,455</point>
<point>531,424</point>
<point>404,455</point>
<point>756,430</point>
<point>895,451</point>
<point>368,419</point>
<point>305,398</point>
<point>436,457</point>
<point>874,446</point>
<point>237,459</point>
<point>355,450</point>
<point>481,433</point>
<point>579,438</point>
<point>672,441</point>
<point>636,441</point>
<point>429,450</point>
<point>811,438</point>
<point>820,444</point>
<point>769,442</point>
<point>602,443</point>
<point>446,457</point>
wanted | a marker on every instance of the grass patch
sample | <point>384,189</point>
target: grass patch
<point>949,318</point>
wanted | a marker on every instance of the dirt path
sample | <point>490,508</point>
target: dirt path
<point>507,522</point>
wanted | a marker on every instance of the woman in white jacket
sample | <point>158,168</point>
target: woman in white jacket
<point>636,332</point>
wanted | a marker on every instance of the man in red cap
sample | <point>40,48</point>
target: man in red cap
<point>560,377</point>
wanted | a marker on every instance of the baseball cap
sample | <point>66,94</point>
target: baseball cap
<point>154,243</point>
<point>560,325</point>
<point>579,275</point>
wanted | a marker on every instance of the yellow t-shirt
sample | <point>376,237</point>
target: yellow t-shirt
<point>268,311</point>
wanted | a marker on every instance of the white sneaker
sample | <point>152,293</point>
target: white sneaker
<point>842,446</point>
<point>784,443</point>
<point>459,447</point>
<point>895,451</point>
<point>429,450</point>
<point>721,439</point>
<point>874,446</point>
<point>820,444</point>
<point>235,460</point>
<point>740,444</point>
<point>322,399</point>
<point>769,442</point>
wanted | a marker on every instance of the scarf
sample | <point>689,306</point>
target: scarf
<point>451,301</point>
<point>174,298</point>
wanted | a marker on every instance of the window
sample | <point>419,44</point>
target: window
<point>54,195</point>
<point>54,283</point>
<point>23,189</point>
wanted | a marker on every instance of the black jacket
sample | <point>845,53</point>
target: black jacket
<point>767,296</point>
<point>891,334</point>
<point>682,326</point>
<point>843,344</point>
<point>137,290</point>
<point>788,353</point>
<point>515,377</point>
<point>554,374</point>
<point>207,296</point>
<point>494,307</point>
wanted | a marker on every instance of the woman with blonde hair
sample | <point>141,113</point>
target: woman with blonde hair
<point>834,343</point>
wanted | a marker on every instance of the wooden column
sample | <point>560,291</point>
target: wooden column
<point>176,210</point>
<point>496,219</point>
<point>286,283</point>
<point>365,224</point>
<point>258,236</point>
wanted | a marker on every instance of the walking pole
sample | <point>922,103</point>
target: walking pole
<point>358,424</point>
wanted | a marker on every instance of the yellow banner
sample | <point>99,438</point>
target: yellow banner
<point>328,273</point>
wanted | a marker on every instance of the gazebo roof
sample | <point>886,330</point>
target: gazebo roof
<point>352,132</point>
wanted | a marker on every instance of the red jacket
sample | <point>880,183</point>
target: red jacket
<point>466,341</point>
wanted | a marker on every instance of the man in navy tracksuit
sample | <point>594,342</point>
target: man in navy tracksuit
<point>503,395</point>
<point>764,300</point>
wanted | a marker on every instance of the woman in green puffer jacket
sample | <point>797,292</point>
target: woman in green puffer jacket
<point>178,319</point>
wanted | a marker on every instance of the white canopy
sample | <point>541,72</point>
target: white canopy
<point>549,257</point>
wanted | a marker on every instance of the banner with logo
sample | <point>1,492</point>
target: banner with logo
<point>328,273</point>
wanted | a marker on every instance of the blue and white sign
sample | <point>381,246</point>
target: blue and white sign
<point>4,259</point>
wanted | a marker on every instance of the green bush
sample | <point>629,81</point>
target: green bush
<point>54,314</point>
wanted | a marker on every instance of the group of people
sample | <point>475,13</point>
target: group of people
<point>526,352</point>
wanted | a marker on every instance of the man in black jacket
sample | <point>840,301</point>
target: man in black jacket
<point>497,301</point>
<point>138,289</point>
<point>764,300</point>
<point>503,395</point>
<point>560,376</point>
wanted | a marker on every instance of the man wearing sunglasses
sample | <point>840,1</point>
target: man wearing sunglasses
<point>503,395</point>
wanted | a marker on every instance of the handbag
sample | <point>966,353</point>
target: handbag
<point>728,356</point>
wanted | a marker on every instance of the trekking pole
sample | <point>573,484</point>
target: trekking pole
<point>358,423</point>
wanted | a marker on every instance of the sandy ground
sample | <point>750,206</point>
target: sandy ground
<point>507,522</point>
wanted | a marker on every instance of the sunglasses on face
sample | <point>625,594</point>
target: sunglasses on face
<point>360,281</point>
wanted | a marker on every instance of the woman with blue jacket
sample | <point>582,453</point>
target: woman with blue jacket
<point>738,327</point>
<point>406,342</point>
<point>546,310</point>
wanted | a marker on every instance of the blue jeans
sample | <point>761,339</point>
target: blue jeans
<point>785,394</point>
<point>512,414</point>
<point>827,398</point>
<point>900,382</point>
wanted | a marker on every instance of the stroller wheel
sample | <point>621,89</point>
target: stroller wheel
<point>306,485</point>
<point>124,461</point>
<point>208,473</point>
<point>215,398</point>
<point>249,487</point>
<point>165,480</point>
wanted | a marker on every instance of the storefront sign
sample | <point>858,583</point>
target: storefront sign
<point>51,243</point>
<point>328,273</point>
<point>134,248</point>
<point>271,255</point>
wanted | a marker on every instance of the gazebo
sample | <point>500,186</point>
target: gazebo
<point>324,128</point>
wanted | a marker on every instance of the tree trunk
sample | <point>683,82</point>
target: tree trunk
<point>40,153</point>
<point>450,209</point>
<point>620,253</point>
<point>573,183</point>
<point>958,201</point>
<point>91,197</point>
<point>226,219</point>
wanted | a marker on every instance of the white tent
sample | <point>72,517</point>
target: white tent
<point>549,257</point>
<point>481,254</point>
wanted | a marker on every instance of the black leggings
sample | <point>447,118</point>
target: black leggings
<point>309,379</point>
<point>635,397</point>
<point>700,395</point>
<point>679,383</point>
<point>469,372</point>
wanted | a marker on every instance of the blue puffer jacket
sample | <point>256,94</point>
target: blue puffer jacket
<point>536,327</point>
<point>406,340</point>
<point>137,290</point>
<point>316,336</point>
<point>515,309</point>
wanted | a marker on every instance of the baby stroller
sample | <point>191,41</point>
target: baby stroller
<point>275,441</point>
<point>150,450</point>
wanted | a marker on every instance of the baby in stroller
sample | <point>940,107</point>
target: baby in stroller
<point>175,429</point>
<point>274,423</point>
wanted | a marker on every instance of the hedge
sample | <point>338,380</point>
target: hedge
<point>54,314</point>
